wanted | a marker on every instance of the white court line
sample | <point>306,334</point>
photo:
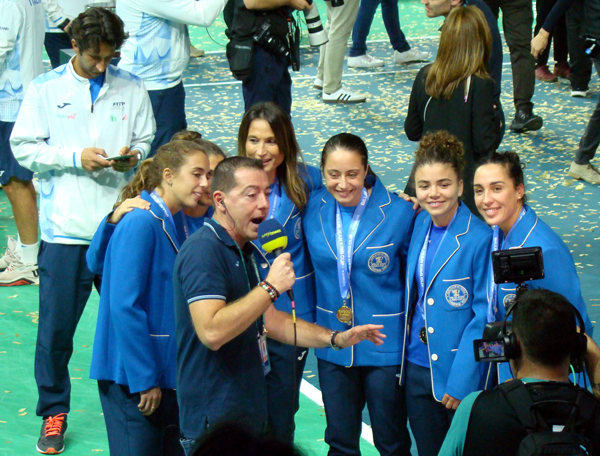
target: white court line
<point>306,46</point>
<point>314,395</point>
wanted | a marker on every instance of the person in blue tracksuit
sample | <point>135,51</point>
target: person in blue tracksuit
<point>267,134</point>
<point>500,197</point>
<point>358,235</point>
<point>445,294</point>
<point>134,349</point>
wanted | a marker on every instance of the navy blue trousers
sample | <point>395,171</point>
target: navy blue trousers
<point>54,42</point>
<point>65,286</point>
<point>345,392</point>
<point>283,389</point>
<point>429,419</point>
<point>132,434</point>
<point>168,106</point>
<point>270,81</point>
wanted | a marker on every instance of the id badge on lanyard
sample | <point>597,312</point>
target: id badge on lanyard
<point>264,353</point>
<point>261,333</point>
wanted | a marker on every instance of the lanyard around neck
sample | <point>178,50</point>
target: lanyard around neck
<point>492,286</point>
<point>345,249</point>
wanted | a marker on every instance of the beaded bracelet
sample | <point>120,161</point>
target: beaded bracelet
<point>274,289</point>
<point>269,289</point>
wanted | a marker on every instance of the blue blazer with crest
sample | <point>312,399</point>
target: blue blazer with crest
<point>560,273</point>
<point>376,285</point>
<point>135,333</point>
<point>455,301</point>
<point>291,218</point>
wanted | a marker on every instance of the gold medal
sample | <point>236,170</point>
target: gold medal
<point>344,314</point>
<point>423,335</point>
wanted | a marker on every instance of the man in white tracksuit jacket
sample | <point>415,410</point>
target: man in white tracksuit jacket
<point>158,51</point>
<point>71,120</point>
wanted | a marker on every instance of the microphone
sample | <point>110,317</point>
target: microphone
<point>273,239</point>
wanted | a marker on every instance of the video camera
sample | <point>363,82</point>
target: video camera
<point>509,266</point>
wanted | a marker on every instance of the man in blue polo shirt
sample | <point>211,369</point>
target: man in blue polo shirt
<point>223,311</point>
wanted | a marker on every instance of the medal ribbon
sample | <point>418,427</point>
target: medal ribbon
<point>492,286</point>
<point>344,252</point>
<point>158,200</point>
<point>274,199</point>
<point>421,263</point>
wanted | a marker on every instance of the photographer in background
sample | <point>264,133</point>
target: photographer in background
<point>258,49</point>
<point>341,15</point>
<point>545,337</point>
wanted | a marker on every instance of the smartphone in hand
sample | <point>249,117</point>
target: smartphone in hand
<point>120,157</point>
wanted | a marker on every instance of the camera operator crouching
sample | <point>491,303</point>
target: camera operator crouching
<point>261,34</point>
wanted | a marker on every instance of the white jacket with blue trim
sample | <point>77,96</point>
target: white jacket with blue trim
<point>158,48</point>
<point>56,122</point>
<point>21,41</point>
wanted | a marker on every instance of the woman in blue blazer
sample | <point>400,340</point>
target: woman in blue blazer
<point>358,235</point>
<point>500,197</point>
<point>445,294</point>
<point>267,134</point>
<point>134,348</point>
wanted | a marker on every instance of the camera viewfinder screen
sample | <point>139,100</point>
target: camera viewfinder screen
<point>491,349</point>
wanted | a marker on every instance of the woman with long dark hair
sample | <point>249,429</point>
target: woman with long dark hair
<point>267,134</point>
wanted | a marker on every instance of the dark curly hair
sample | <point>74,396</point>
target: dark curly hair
<point>440,147</point>
<point>95,26</point>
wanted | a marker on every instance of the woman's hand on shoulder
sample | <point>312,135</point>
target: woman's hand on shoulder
<point>411,199</point>
<point>127,206</point>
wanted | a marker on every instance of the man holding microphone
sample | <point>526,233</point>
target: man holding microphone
<point>224,313</point>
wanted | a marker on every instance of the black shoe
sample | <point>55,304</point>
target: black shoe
<point>525,120</point>
<point>52,436</point>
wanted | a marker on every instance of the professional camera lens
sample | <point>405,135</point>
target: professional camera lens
<point>270,42</point>
<point>317,36</point>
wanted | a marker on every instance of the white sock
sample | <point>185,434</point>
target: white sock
<point>28,253</point>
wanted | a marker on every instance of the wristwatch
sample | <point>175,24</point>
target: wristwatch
<point>63,24</point>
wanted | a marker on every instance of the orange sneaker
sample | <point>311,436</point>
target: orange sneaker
<point>52,436</point>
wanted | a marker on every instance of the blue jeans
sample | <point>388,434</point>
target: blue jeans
<point>345,392</point>
<point>391,20</point>
<point>168,106</point>
<point>429,419</point>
